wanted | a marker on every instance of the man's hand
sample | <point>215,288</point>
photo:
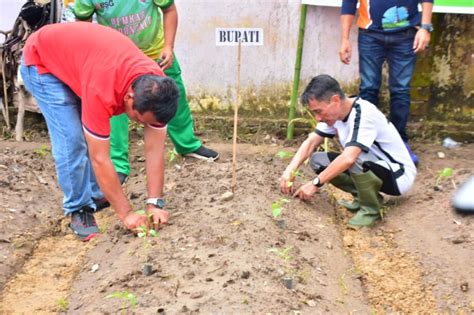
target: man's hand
<point>306,192</point>
<point>345,52</point>
<point>422,39</point>
<point>166,58</point>
<point>158,216</point>
<point>133,220</point>
<point>286,183</point>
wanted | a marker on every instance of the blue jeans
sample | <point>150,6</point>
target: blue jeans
<point>61,109</point>
<point>397,50</point>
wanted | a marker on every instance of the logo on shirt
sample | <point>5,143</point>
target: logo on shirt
<point>104,4</point>
<point>395,17</point>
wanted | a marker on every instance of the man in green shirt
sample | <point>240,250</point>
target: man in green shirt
<point>151,25</point>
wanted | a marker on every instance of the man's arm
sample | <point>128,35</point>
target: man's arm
<point>345,52</point>
<point>109,183</point>
<point>170,25</point>
<point>348,10</point>
<point>303,153</point>
<point>422,37</point>
<point>155,170</point>
<point>344,161</point>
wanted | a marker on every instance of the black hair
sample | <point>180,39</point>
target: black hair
<point>321,88</point>
<point>156,94</point>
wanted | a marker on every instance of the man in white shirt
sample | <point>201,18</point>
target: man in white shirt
<point>374,158</point>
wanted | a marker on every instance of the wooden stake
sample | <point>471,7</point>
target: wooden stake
<point>236,110</point>
<point>5,97</point>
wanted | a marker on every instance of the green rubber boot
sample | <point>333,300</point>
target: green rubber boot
<point>368,187</point>
<point>344,182</point>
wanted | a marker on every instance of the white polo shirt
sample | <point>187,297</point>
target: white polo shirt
<point>367,128</point>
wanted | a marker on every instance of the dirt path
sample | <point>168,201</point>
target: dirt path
<point>214,255</point>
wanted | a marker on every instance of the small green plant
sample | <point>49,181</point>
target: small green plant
<point>146,234</point>
<point>277,207</point>
<point>63,304</point>
<point>285,154</point>
<point>308,118</point>
<point>124,297</point>
<point>285,255</point>
<point>171,155</point>
<point>294,174</point>
<point>42,151</point>
<point>444,174</point>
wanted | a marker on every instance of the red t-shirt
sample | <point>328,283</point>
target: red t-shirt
<point>96,62</point>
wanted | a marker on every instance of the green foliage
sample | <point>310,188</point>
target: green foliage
<point>443,174</point>
<point>277,207</point>
<point>146,234</point>
<point>43,151</point>
<point>124,297</point>
<point>308,118</point>
<point>171,155</point>
<point>63,304</point>
<point>285,255</point>
<point>294,174</point>
<point>285,154</point>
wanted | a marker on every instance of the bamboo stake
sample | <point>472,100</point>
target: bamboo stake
<point>236,110</point>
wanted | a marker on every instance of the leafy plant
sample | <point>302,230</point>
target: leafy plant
<point>294,174</point>
<point>63,304</point>
<point>285,255</point>
<point>171,154</point>
<point>124,297</point>
<point>443,174</point>
<point>146,234</point>
<point>308,118</point>
<point>277,207</point>
<point>43,151</point>
<point>285,154</point>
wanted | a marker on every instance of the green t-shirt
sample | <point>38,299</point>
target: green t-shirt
<point>140,20</point>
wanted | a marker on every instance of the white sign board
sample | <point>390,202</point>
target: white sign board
<point>232,36</point>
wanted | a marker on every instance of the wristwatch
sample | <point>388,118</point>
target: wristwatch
<point>157,202</point>
<point>317,182</point>
<point>428,27</point>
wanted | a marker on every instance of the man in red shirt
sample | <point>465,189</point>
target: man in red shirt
<point>82,74</point>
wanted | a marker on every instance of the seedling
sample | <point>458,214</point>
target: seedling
<point>171,154</point>
<point>146,234</point>
<point>63,304</point>
<point>285,154</point>
<point>43,151</point>
<point>124,297</point>
<point>277,210</point>
<point>294,174</point>
<point>308,119</point>
<point>277,207</point>
<point>443,174</point>
<point>285,255</point>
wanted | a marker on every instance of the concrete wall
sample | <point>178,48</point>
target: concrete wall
<point>209,71</point>
<point>443,87</point>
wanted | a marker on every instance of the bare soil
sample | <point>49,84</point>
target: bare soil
<point>213,257</point>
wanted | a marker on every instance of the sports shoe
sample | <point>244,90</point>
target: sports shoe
<point>204,153</point>
<point>413,156</point>
<point>83,224</point>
